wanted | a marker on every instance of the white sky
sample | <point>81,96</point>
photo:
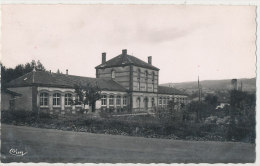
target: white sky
<point>216,42</point>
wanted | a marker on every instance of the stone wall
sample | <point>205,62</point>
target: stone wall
<point>5,101</point>
<point>122,75</point>
<point>152,83</point>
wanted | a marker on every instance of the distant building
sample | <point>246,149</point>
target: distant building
<point>125,81</point>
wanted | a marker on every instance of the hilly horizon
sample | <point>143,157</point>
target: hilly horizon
<point>248,84</point>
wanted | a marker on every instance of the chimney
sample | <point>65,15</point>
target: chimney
<point>67,71</point>
<point>150,60</point>
<point>124,51</point>
<point>103,57</point>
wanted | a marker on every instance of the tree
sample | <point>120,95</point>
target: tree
<point>88,94</point>
<point>211,100</point>
<point>194,107</point>
<point>242,113</point>
<point>201,109</point>
<point>8,74</point>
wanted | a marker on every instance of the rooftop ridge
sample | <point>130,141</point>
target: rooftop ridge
<point>126,59</point>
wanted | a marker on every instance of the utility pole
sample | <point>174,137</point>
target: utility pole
<point>199,93</point>
<point>199,89</point>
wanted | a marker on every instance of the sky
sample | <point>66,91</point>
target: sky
<point>214,42</point>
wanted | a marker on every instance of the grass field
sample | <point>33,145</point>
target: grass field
<point>49,145</point>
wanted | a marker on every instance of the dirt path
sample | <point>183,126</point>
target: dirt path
<point>48,145</point>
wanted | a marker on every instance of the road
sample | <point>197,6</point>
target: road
<point>49,145</point>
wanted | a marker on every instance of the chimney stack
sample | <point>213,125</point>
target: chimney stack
<point>104,57</point>
<point>150,60</point>
<point>124,51</point>
<point>67,71</point>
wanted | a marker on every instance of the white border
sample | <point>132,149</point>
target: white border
<point>198,2</point>
<point>183,2</point>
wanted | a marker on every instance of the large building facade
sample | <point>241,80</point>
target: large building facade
<point>126,83</point>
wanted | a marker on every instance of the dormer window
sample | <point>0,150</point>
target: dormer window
<point>113,74</point>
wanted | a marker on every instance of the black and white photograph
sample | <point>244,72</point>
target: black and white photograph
<point>128,83</point>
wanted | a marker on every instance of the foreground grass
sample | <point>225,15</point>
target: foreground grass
<point>50,145</point>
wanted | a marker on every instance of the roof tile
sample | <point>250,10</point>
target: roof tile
<point>125,59</point>
<point>43,78</point>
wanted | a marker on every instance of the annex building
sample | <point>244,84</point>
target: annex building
<point>126,82</point>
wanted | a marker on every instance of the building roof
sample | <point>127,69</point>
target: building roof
<point>125,60</point>
<point>10,92</point>
<point>43,78</point>
<point>169,90</point>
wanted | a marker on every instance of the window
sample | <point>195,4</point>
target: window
<point>124,100</point>
<point>111,100</point>
<point>56,99</point>
<point>139,74</point>
<point>146,75</point>
<point>113,74</point>
<point>103,100</point>
<point>77,100</point>
<point>146,80</point>
<point>118,100</point>
<point>146,102</point>
<point>153,81</point>
<point>160,101</point>
<point>139,79</point>
<point>44,99</point>
<point>152,102</point>
<point>138,102</point>
<point>68,99</point>
<point>167,100</point>
<point>164,101</point>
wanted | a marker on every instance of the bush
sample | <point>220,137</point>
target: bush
<point>167,115</point>
<point>145,126</point>
<point>104,113</point>
<point>19,115</point>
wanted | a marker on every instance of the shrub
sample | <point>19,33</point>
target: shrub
<point>104,113</point>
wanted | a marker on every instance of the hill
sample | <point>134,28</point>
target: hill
<point>248,84</point>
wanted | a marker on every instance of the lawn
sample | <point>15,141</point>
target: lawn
<point>50,145</point>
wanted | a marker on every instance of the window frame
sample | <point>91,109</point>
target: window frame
<point>124,100</point>
<point>160,101</point>
<point>103,100</point>
<point>118,100</point>
<point>111,98</point>
<point>56,100</point>
<point>44,99</point>
<point>152,102</point>
<point>67,99</point>
<point>139,79</point>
